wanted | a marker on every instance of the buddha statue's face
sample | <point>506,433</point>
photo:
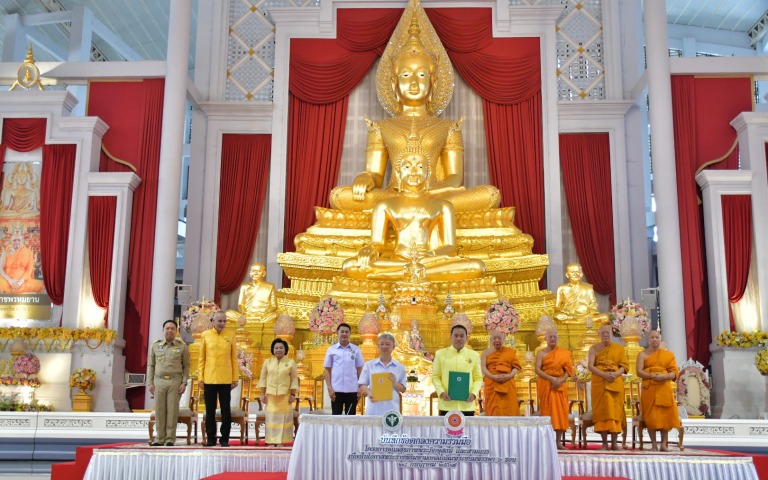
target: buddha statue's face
<point>414,80</point>
<point>412,173</point>
<point>257,272</point>
<point>573,273</point>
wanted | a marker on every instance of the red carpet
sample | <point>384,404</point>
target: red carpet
<point>76,470</point>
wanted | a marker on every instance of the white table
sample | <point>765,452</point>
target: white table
<point>348,447</point>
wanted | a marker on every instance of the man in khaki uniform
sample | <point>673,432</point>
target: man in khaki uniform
<point>168,374</point>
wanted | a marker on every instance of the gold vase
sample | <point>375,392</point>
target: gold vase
<point>633,349</point>
<point>82,402</point>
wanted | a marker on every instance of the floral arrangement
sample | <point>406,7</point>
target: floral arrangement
<point>244,361</point>
<point>326,316</point>
<point>206,307</point>
<point>56,337</point>
<point>698,403</point>
<point>13,403</point>
<point>761,361</point>
<point>583,375</point>
<point>22,382</point>
<point>628,308</point>
<point>84,379</point>
<point>27,364</point>
<point>502,316</point>
<point>741,339</point>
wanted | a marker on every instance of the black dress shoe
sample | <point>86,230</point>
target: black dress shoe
<point>225,444</point>
<point>155,444</point>
<point>170,444</point>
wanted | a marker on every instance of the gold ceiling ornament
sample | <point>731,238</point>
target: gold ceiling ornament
<point>28,74</point>
<point>414,35</point>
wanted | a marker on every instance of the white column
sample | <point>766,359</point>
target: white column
<point>714,185</point>
<point>665,179</point>
<point>752,129</point>
<point>169,185</point>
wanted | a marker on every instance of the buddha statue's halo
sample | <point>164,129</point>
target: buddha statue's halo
<point>401,44</point>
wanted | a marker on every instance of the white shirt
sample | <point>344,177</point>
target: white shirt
<point>377,366</point>
<point>343,362</point>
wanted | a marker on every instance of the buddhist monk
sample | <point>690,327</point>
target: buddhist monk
<point>553,366</point>
<point>499,365</point>
<point>657,367</point>
<point>608,362</point>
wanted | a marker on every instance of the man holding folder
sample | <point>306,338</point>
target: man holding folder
<point>382,379</point>
<point>456,375</point>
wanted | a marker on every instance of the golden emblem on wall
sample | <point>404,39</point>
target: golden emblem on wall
<point>28,74</point>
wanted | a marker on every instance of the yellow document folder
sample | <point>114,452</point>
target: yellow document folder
<point>381,386</point>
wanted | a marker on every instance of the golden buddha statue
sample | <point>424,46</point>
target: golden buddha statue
<point>20,193</point>
<point>415,84</point>
<point>575,301</point>
<point>425,232</point>
<point>257,301</point>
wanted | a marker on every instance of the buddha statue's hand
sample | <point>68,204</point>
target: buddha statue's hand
<point>366,256</point>
<point>363,183</point>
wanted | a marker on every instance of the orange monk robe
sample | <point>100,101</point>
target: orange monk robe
<point>554,402</point>
<point>501,398</point>
<point>657,401</point>
<point>608,398</point>
<point>21,264</point>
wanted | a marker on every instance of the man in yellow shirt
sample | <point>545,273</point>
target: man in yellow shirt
<point>456,358</point>
<point>218,374</point>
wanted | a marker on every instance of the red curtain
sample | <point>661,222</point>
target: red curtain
<point>24,134</point>
<point>585,161</point>
<point>737,230</point>
<point>506,73</point>
<point>322,75</point>
<point>702,109</point>
<point>101,239</point>
<point>134,112</point>
<point>243,187</point>
<point>56,182</point>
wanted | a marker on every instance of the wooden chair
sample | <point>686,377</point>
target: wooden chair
<point>239,415</point>
<point>187,414</point>
<point>533,397</point>
<point>297,411</point>
<point>433,404</point>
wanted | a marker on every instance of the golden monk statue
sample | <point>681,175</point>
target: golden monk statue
<point>576,300</point>
<point>414,85</point>
<point>424,230</point>
<point>257,300</point>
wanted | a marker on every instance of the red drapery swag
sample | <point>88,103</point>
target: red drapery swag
<point>505,72</point>
<point>243,187</point>
<point>56,182</point>
<point>590,205</point>
<point>737,230</point>
<point>22,135</point>
<point>101,239</point>
<point>702,109</point>
<point>134,112</point>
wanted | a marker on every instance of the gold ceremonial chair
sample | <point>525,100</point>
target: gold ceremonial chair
<point>187,415</point>
<point>239,415</point>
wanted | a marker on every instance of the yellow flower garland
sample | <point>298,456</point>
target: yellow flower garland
<point>63,335</point>
<point>741,339</point>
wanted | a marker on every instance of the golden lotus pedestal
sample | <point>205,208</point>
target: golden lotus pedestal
<point>82,402</point>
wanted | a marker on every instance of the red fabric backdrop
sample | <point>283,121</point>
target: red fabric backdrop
<point>585,160</point>
<point>56,182</point>
<point>737,230</point>
<point>134,112</point>
<point>243,187</point>
<point>505,72</point>
<point>101,239</point>
<point>702,110</point>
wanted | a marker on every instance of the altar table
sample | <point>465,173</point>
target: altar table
<point>351,447</point>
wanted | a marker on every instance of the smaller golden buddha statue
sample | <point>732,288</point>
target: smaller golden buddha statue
<point>414,85</point>
<point>20,193</point>
<point>424,226</point>
<point>575,301</point>
<point>257,301</point>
